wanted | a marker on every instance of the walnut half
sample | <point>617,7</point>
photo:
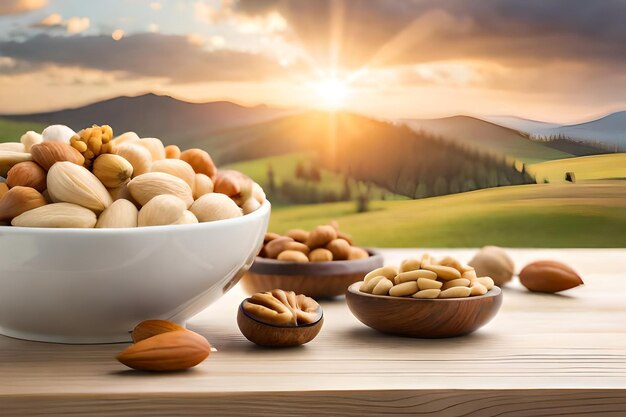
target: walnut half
<point>282,308</point>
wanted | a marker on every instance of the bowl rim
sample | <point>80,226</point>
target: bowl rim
<point>268,266</point>
<point>354,289</point>
<point>258,213</point>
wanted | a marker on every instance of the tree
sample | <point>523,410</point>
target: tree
<point>271,181</point>
<point>570,176</point>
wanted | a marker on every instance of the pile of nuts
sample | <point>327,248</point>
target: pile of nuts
<point>91,179</point>
<point>323,244</point>
<point>427,278</point>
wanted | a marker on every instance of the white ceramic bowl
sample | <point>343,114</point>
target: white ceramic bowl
<point>95,285</point>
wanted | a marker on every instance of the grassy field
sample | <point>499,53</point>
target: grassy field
<point>11,131</point>
<point>284,167</point>
<point>591,214</point>
<point>584,167</point>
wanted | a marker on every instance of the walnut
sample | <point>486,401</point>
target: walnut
<point>93,141</point>
<point>282,308</point>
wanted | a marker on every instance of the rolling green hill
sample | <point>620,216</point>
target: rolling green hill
<point>590,214</point>
<point>391,156</point>
<point>489,137</point>
<point>12,131</point>
<point>585,168</point>
<point>330,187</point>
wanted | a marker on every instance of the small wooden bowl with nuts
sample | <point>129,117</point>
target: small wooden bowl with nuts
<point>425,299</point>
<point>322,263</point>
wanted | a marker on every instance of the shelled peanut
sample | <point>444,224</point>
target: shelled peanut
<point>324,243</point>
<point>426,277</point>
<point>92,179</point>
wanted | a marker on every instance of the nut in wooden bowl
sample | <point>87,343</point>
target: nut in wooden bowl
<point>280,318</point>
<point>425,298</point>
<point>315,279</point>
<point>321,263</point>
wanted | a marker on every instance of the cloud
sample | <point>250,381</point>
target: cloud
<point>20,6</point>
<point>395,32</point>
<point>172,57</point>
<point>268,22</point>
<point>71,25</point>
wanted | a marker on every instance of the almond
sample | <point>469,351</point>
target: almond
<point>161,210</point>
<point>154,146</point>
<point>549,277</point>
<point>29,139</point>
<point>187,218</point>
<point>126,137</point>
<point>276,246</point>
<point>19,200</point>
<point>112,170</point>
<point>47,154</point>
<point>56,215</point>
<point>138,156</point>
<point>146,186</point>
<point>200,161</point>
<point>169,351</point>
<point>10,158</point>
<point>71,183</point>
<point>215,206</point>
<point>202,185</point>
<point>121,213</point>
<point>149,328</point>
<point>13,147</point>
<point>177,168</point>
<point>27,174</point>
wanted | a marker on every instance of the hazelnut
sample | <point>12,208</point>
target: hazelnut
<point>340,249</point>
<point>279,318</point>
<point>357,253</point>
<point>494,262</point>
<point>292,256</point>
<point>299,235</point>
<point>320,255</point>
<point>276,246</point>
<point>321,236</point>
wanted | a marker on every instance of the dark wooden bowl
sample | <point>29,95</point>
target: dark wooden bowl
<point>423,318</point>
<point>264,334</point>
<point>314,279</point>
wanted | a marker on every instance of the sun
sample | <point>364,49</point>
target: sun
<point>333,92</point>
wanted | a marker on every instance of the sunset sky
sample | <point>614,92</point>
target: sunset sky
<point>553,60</point>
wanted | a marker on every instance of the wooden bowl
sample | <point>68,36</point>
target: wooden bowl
<point>314,279</point>
<point>268,335</point>
<point>423,318</point>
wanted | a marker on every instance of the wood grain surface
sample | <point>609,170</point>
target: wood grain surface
<point>542,355</point>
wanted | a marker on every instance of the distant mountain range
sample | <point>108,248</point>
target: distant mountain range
<point>488,137</point>
<point>152,115</point>
<point>609,131</point>
<point>520,124</point>
<point>176,121</point>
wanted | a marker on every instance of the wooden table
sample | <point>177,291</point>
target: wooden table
<point>542,355</point>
